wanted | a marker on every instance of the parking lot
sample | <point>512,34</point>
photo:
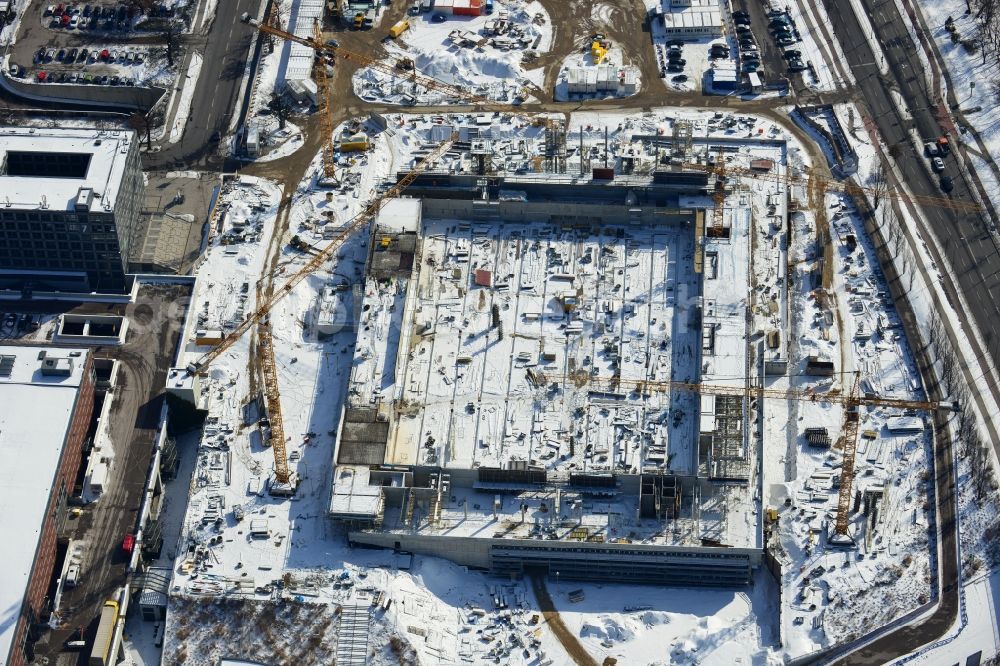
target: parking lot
<point>101,44</point>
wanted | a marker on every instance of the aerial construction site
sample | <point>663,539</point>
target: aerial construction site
<point>511,339</point>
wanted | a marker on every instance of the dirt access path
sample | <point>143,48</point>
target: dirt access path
<point>566,637</point>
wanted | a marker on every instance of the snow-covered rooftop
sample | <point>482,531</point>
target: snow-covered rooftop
<point>36,415</point>
<point>92,163</point>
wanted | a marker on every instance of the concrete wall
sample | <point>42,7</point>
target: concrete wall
<point>62,487</point>
<point>532,211</point>
<point>124,98</point>
<point>476,552</point>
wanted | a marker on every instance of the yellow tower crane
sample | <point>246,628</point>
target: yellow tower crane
<point>259,316</point>
<point>324,106</point>
<point>852,415</point>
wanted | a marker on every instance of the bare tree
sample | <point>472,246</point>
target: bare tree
<point>877,185</point>
<point>170,39</point>
<point>280,109</point>
<point>140,122</point>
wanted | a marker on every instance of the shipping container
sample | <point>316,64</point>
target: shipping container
<point>100,655</point>
<point>398,29</point>
<point>467,7</point>
<point>604,173</point>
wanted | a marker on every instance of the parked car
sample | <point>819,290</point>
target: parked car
<point>71,56</point>
<point>791,53</point>
<point>741,13</point>
<point>937,164</point>
<point>675,67</point>
<point>784,41</point>
<point>796,65</point>
<point>931,149</point>
<point>14,70</point>
<point>439,18</point>
<point>49,10</point>
<point>61,55</point>
<point>947,184</point>
<point>680,78</point>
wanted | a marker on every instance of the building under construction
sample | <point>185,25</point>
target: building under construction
<point>514,404</point>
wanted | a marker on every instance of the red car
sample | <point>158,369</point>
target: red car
<point>128,544</point>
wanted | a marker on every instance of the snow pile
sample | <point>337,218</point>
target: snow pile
<point>650,625</point>
<point>607,630</point>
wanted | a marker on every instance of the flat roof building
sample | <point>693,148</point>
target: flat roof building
<point>692,18</point>
<point>70,201</point>
<point>48,398</point>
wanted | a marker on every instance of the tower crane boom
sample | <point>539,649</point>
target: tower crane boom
<point>317,260</point>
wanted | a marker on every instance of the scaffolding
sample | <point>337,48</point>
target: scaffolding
<point>555,146</point>
<point>722,452</point>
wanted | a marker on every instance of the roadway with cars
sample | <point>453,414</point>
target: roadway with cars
<point>964,238</point>
<point>227,47</point>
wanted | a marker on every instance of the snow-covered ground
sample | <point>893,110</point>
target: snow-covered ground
<point>297,555</point>
<point>187,94</point>
<point>495,66</point>
<point>650,625</point>
<point>973,80</point>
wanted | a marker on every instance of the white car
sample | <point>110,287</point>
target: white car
<point>931,148</point>
<point>74,23</point>
<point>937,164</point>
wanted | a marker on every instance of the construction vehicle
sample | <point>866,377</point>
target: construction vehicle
<point>317,45</point>
<point>100,654</point>
<point>399,28</point>
<point>598,51</point>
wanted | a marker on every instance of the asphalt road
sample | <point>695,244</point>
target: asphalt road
<point>964,238</point>
<point>144,360</point>
<point>225,55</point>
